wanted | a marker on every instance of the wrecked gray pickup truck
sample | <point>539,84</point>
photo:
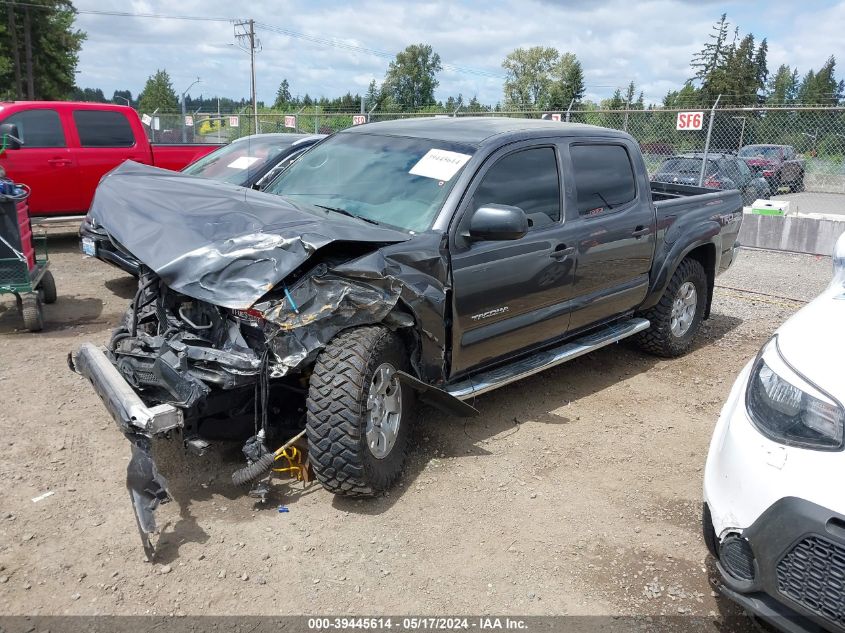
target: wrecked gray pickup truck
<point>427,259</point>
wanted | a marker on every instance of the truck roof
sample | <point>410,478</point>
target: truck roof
<point>478,130</point>
<point>63,105</point>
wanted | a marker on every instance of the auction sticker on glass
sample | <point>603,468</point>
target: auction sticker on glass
<point>439,164</point>
<point>242,162</point>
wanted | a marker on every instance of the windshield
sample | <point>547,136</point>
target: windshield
<point>685,166</point>
<point>760,150</point>
<point>398,181</point>
<point>236,162</point>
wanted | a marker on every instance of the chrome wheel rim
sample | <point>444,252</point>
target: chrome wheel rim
<point>683,309</point>
<point>384,411</point>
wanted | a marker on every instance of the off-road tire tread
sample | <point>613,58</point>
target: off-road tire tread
<point>335,412</point>
<point>658,339</point>
<point>31,311</point>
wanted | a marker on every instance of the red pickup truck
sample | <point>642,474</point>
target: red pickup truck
<point>61,149</point>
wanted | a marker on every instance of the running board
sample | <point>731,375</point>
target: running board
<point>501,376</point>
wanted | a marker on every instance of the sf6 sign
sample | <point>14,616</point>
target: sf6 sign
<point>689,121</point>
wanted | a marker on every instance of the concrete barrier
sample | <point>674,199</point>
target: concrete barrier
<point>800,234</point>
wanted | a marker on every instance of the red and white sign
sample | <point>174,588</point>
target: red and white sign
<point>234,121</point>
<point>290,121</point>
<point>689,121</point>
<point>556,116</point>
<point>359,119</point>
<point>189,120</point>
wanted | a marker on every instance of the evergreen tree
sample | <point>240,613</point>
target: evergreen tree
<point>283,96</point>
<point>782,88</point>
<point>158,94</point>
<point>39,50</point>
<point>713,54</point>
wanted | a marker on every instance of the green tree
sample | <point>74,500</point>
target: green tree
<point>283,96</point>
<point>688,96</point>
<point>568,82</point>
<point>158,94</point>
<point>412,77</point>
<point>373,97</point>
<point>712,55</point>
<point>529,80</point>
<point>121,97</point>
<point>39,50</point>
<point>782,87</point>
<point>820,87</point>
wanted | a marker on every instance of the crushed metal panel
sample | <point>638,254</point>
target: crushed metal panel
<point>214,241</point>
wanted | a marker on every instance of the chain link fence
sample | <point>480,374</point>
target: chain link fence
<point>816,135</point>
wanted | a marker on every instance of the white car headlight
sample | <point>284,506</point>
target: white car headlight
<point>787,408</point>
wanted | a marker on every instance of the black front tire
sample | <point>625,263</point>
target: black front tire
<point>48,286</point>
<point>660,339</point>
<point>32,312</point>
<point>337,413</point>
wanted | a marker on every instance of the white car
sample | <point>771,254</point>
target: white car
<point>774,484</point>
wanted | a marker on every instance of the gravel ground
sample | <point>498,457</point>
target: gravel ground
<point>577,491</point>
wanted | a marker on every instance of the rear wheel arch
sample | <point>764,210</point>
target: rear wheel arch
<point>705,254</point>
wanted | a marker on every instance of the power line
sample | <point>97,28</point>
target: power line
<point>123,14</point>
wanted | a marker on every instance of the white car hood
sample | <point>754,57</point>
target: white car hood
<point>813,340</point>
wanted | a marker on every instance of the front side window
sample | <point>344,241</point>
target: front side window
<point>38,128</point>
<point>527,179</point>
<point>102,128</point>
<point>604,177</point>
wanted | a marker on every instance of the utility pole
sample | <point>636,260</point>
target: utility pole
<point>246,41</point>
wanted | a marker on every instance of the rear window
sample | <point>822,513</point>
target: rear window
<point>100,128</point>
<point>604,177</point>
<point>38,128</point>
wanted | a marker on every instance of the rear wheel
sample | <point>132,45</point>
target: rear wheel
<point>32,312</point>
<point>357,419</point>
<point>48,286</point>
<point>798,185</point>
<point>676,318</point>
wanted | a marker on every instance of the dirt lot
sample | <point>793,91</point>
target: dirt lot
<point>576,491</point>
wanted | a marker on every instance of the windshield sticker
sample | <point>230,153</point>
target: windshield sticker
<point>439,164</point>
<point>242,162</point>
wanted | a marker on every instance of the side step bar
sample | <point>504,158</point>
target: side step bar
<point>501,376</point>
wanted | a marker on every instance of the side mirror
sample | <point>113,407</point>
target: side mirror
<point>10,136</point>
<point>498,222</point>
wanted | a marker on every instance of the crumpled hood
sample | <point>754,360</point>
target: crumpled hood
<point>213,241</point>
<point>813,340</point>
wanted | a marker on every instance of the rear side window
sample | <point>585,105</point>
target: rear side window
<point>604,177</point>
<point>38,128</point>
<point>527,179</point>
<point>99,128</point>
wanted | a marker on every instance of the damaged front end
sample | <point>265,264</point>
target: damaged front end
<point>178,364</point>
<point>238,293</point>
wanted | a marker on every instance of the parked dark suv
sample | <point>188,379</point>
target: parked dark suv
<point>723,171</point>
<point>780,165</point>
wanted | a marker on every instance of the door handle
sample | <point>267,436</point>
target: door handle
<point>640,231</point>
<point>562,251</point>
<point>61,162</point>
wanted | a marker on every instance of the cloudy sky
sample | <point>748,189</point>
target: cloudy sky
<point>338,47</point>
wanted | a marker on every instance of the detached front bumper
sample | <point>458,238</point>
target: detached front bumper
<point>139,423</point>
